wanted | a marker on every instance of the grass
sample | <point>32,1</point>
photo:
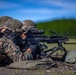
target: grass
<point>60,53</point>
<point>71,46</point>
<point>67,46</point>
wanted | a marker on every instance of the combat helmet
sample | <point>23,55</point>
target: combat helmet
<point>27,24</point>
<point>13,24</point>
<point>3,19</point>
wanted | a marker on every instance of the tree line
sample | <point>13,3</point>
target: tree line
<point>61,27</point>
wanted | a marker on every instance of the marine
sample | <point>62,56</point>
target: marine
<point>29,50</point>
<point>24,46</point>
<point>14,50</point>
<point>8,48</point>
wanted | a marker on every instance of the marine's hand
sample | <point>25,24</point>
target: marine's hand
<point>29,50</point>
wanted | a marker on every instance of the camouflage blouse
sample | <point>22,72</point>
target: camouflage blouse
<point>11,50</point>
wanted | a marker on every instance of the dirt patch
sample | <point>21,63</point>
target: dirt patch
<point>61,68</point>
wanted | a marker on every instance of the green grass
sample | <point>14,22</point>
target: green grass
<point>67,46</point>
<point>70,46</point>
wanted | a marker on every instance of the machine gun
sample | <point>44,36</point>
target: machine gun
<point>57,51</point>
<point>36,36</point>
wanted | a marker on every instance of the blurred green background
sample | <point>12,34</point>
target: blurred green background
<point>61,27</point>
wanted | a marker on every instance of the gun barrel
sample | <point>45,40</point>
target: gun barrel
<point>69,43</point>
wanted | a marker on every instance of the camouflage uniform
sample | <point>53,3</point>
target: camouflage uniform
<point>7,38</point>
<point>29,25</point>
<point>9,48</point>
<point>8,44</point>
<point>24,46</point>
